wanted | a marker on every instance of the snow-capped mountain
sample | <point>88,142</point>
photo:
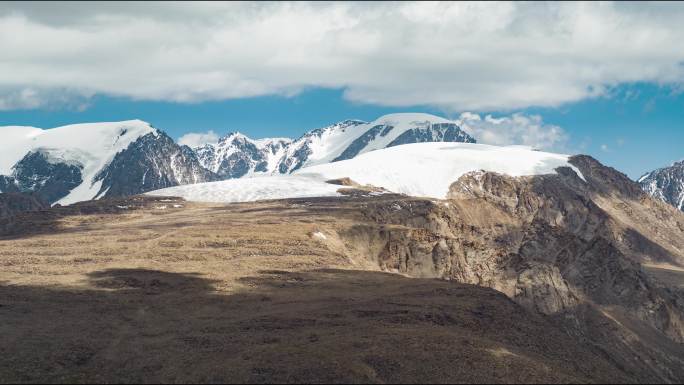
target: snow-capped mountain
<point>350,138</point>
<point>87,161</point>
<point>419,169</point>
<point>666,184</point>
<point>90,161</point>
<point>236,155</point>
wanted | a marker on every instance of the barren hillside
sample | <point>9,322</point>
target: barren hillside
<point>158,289</point>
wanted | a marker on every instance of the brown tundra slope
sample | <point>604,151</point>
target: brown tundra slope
<point>533,279</point>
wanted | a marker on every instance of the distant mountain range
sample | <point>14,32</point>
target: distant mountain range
<point>90,161</point>
<point>236,155</point>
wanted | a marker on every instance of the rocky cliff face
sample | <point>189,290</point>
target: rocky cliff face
<point>584,252</point>
<point>152,162</point>
<point>666,184</point>
<point>39,173</point>
<point>434,132</point>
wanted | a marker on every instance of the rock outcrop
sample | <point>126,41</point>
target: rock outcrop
<point>39,173</point>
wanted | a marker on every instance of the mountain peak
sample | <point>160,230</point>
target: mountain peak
<point>84,161</point>
<point>233,135</point>
<point>666,184</point>
<point>351,122</point>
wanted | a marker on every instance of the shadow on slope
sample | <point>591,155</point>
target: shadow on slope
<point>131,325</point>
<point>48,220</point>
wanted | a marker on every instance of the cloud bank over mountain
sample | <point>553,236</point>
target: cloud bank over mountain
<point>196,139</point>
<point>518,128</point>
<point>457,57</point>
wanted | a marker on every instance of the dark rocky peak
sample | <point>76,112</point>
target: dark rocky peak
<point>152,162</point>
<point>232,137</point>
<point>362,141</point>
<point>236,155</point>
<point>666,184</point>
<point>606,179</point>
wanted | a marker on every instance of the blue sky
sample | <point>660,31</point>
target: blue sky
<point>602,78</point>
<point>641,125</point>
<point>637,128</point>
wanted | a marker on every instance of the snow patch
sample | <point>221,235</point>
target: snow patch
<point>252,189</point>
<point>319,235</point>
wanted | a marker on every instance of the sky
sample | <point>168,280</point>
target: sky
<point>603,79</point>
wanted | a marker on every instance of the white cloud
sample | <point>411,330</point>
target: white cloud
<point>196,139</point>
<point>604,148</point>
<point>20,98</point>
<point>14,98</point>
<point>456,56</point>
<point>519,129</point>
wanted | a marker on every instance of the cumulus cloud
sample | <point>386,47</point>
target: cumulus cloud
<point>456,56</point>
<point>518,129</point>
<point>196,139</point>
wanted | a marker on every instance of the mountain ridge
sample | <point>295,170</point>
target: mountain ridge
<point>86,161</point>
<point>236,155</point>
<point>77,162</point>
